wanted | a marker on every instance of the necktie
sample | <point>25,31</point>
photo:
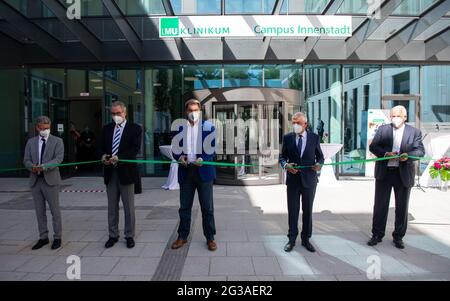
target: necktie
<point>116,140</point>
<point>300,145</point>
<point>42,151</point>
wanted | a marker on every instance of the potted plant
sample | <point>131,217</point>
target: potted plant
<point>441,169</point>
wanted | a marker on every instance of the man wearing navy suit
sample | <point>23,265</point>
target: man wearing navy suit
<point>301,148</point>
<point>121,139</point>
<point>194,142</point>
<point>396,138</point>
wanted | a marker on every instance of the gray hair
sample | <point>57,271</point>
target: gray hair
<point>119,104</point>
<point>192,101</point>
<point>300,115</point>
<point>402,109</point>
<point>43,120</point>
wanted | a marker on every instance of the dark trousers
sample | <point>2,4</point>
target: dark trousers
<point>191,183</point>
<point>294,192</point>
<point>383,190</point>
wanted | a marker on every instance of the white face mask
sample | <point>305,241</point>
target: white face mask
<point>298,129</point>
<point>118,119</point>
<point>44,133</point>
<point>397,122</point>
<point>194,116</point>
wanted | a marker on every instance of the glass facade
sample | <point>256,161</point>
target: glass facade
<point>362,91</point>
<point>336,97</point>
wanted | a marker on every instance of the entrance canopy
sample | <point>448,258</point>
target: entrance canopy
<point>53,32</point>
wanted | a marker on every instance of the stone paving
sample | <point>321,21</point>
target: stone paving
<point>251,232</point>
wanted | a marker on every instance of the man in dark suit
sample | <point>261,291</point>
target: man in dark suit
<point>301,148</point>
<point>390,140</point>
<point>194,142</point>
<point>120,140</point>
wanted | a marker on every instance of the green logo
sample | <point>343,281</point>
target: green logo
<point>169,27</point>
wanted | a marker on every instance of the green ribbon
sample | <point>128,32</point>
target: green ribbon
<point>213,163</point>
<point>52,165</point>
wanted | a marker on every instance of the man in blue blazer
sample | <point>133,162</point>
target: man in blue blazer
<point>301,148</point>
<point>193,143</point>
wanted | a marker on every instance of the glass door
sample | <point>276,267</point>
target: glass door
<point>59,115</point>
<point>249,133</point>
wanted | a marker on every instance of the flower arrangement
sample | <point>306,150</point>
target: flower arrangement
<point>441,168</point>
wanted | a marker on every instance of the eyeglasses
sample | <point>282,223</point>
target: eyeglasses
<point>116,113</point>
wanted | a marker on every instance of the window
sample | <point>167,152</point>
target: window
<point>436,94</point>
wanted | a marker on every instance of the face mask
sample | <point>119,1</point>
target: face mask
<point>194,116</point>
<point>118,119</point>
<point>397,121</point>
<point>298,129</point>
<point>44,133</point>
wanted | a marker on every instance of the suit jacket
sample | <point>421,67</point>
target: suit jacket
<point>53,154</point>
<point>311,155</point>
<point>130,144</point>
<point>411,144</point>
<point>207,172</point>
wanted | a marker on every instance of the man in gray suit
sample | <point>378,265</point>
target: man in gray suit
<point>42,153</point>
<point>395,139</point>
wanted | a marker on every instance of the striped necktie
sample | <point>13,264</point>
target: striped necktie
<point>116,140</point>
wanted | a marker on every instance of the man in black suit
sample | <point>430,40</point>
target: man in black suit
<point>120,140</point>
<point>394,139</point>
<point>301,148</point>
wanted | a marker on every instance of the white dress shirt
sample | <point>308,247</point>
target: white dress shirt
<point>191,141</point>
<point>397,135</point>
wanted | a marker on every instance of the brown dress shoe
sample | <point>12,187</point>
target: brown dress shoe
<point>212,246</point>
<point>178,243</point>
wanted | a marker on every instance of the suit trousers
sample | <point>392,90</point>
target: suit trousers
<point>307,194</point>
<point>191,183</point>
<point>383,190</point>
<point>43,193</point>
<point>115,192</point>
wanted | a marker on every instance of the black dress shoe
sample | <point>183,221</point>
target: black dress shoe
<point>111,242</point>
<point>56,244</point>
<point>374,240</point>
<point>130,242</point>
<point>289,246</point>
<point>40,244</point>
<point>308,246</point>
<point>399,243</point>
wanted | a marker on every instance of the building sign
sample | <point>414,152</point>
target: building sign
<point>255,26</point>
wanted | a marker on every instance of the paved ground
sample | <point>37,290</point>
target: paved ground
<point>251,224</point>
